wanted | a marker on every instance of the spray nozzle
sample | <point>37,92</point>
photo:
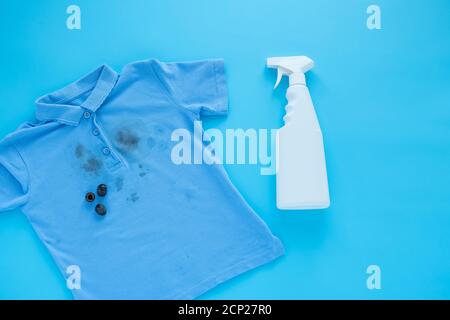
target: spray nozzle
<point>294,67</point>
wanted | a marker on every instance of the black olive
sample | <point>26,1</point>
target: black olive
<point>100,209</point>
<point>90,197</point>
<point>102,190</point>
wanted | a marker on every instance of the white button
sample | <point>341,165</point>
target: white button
<point>106,151</point>
<point>95,132</point>
<point>87,114</point>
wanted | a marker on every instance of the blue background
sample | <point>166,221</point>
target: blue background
<point>382,97</point>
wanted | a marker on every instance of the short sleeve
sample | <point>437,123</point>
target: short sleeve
<point>13,178</point>
<point>199,86</point>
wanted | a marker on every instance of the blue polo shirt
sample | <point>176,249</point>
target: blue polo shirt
<point>170,231</point>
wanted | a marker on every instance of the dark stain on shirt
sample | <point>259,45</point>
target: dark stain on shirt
<point>79,151</point>
<point>143,170</point>
<point>119,184</point>
<point>162,146</point>
<point>127,139</point>
<point>151,142</point>
<point>93,165</point>
<point>134,197</point>
<point>159,130</point>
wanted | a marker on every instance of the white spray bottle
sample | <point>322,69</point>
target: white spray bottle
<point>302,182</point>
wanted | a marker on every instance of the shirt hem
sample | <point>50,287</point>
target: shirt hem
<point>234,270</point>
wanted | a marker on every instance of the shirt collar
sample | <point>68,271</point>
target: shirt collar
<point>58,106</point>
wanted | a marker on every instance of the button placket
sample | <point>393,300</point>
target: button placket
<point>106,151</point>
<point>111,158</point>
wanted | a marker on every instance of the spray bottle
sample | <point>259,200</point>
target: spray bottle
<point>302,182</point>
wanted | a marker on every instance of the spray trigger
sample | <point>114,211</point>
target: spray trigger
<point>279,76</point>
<point>280,73</point>
<point>294,67</point>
